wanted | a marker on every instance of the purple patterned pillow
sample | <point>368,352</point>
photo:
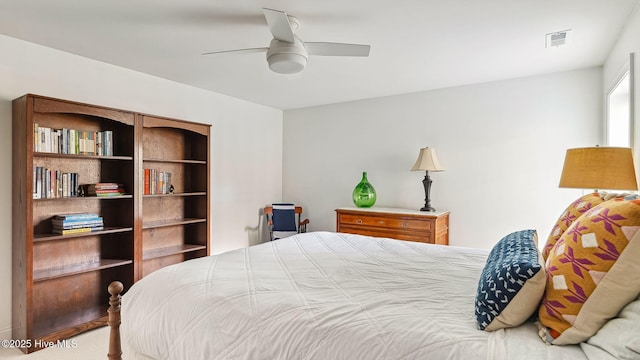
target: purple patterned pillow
<point>592,272</point>
<point>569,215</point>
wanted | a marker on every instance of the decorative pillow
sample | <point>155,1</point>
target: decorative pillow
<point>620,336</point>
<point>592,272</point>
<point>512,282</point>
<point>569,215</point>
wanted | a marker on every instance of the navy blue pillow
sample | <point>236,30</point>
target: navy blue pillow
<point>512,282</point>
<point>284,217</point>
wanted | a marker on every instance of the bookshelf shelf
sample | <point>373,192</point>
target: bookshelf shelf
<point>61,327</point>
<point>107,230</point>
<point>60,281</point>
<point>68,270</point>
<point>87,198</point>
<point>195,162</point>
<point>82,157</point>
<point>199,193</point>
<point>171,222</point>
<point>170,250</point>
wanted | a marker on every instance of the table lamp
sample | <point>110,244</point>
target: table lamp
<point>427,161</point>
<point>599,168</point>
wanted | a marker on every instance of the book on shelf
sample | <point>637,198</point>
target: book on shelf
<point>77,216</point>
<point>59,230</point>
<point>77,231</point>
<point>104,186</point>
<point>75,224</point>
<point>108,193</point>
<point>147,182</point>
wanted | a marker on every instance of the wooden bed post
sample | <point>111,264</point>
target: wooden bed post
<point>115,349</point>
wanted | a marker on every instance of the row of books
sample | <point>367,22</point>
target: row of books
<point>71,141</point>
<point>157,182</point>
<point>104,189</point>
<point>49,183</point>
<point>75,223</point>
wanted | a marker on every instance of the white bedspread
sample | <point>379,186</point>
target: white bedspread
<point>322,296</point>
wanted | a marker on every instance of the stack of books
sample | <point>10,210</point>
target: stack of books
<point>75,223</point>
<point>104,189</point>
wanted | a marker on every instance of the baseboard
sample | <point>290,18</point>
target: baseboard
<point>5,333</point>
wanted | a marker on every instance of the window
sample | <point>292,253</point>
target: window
<point>619,109</point>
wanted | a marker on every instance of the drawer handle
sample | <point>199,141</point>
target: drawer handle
<point>359,221</point>
<point>405,224</point>
<point>381,222</point>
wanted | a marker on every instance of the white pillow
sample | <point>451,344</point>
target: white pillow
<point>620,336</point>
<point>635,347</point>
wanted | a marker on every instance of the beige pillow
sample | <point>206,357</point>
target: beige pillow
<point>620,336</point>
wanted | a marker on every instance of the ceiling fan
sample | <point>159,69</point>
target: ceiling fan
<point>287,53</point>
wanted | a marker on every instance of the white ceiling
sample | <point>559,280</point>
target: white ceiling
<point>416,45</point>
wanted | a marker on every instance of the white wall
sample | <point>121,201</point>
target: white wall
<point>242,132</point>
<point>503,144</point>
<point>617,61</point>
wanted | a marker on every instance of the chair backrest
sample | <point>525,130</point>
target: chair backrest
<point>282,219</point>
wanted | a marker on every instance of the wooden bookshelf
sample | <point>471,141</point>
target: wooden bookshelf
<point>60,281</point>
<point>180,231</point>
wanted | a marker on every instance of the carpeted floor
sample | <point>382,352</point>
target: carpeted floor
<point>88,346</point>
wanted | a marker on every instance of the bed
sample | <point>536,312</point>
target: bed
<point>324,295</point>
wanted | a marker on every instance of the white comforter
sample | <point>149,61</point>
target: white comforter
<point>322,296</point>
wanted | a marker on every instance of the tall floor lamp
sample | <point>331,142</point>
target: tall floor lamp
<point>599,168</point>
<point>427,161</point>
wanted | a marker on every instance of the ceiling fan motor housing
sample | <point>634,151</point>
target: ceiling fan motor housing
<point>287,58</point>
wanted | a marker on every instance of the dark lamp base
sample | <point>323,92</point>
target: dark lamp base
<point>426,182</point>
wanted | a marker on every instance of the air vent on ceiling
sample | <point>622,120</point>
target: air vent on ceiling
<point>558,38</point>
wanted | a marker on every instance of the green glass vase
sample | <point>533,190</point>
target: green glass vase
<point>364,195</point>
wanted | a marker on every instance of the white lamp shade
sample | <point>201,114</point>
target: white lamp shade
<point>427,160</point>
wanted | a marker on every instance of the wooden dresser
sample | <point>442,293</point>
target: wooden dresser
<point>401,224</point>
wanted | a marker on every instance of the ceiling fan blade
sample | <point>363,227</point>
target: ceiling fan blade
<point>249,50</point>
<point>336,49</point>
<point>279,25</point>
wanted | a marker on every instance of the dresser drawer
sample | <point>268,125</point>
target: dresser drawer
<point>401,224</point>
<point>385,222</point>
<point>388,233</point>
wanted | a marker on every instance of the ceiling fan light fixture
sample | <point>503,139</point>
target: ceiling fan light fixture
<point>287,63</point>
<point>287,58</point>
<point>287,53</point>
